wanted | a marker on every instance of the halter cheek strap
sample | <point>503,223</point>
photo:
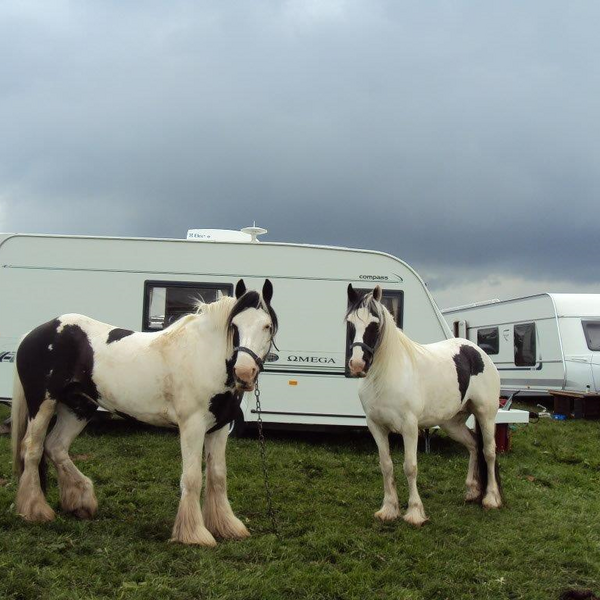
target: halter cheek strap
<point>259,362</point>
<point>364,346</point>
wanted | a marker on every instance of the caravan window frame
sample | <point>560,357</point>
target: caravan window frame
<point>588,340</point>
<point>518,352</point>
<point>196,285</point>
<point>495,349</point>
<point>399,321</point>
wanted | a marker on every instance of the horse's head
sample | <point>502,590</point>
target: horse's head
<point>253,324</point>
<point>365,323</point>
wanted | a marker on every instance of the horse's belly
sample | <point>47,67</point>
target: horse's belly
<point>141,398</point>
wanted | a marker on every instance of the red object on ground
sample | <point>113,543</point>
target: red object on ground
<point>502,437</point>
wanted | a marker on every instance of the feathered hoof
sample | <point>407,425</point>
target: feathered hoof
<point>199,537</point>
<point>473,496</point>
<point>415,516</point>
<point>491,501</point>
<point>81,504</point>
<point>387,513</point>
<point>230,528</point>
<point>36,510</point>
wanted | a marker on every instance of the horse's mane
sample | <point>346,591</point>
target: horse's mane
<point>218,311</point>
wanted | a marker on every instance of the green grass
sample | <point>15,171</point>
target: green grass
<point>326,489</point>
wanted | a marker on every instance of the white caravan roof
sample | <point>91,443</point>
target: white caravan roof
<point>566,305</point>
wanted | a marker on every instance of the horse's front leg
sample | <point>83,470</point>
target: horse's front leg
<point>390,508</point>
<point>216,510</point>
<point>415,515</point>
<point>189,526</point>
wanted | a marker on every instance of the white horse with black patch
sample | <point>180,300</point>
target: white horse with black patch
<point>408,385</point>
<point>191,375</point>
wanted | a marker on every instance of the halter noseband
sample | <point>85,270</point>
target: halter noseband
<point>364,346</point>
<point>259,361</point>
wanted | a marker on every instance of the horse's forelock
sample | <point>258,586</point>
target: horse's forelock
<point>252,299</point>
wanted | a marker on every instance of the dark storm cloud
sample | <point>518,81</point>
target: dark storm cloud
<point>463,136</point>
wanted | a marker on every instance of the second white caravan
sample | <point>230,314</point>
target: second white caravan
<point>539,343</point>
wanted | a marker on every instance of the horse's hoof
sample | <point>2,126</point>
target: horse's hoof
<point>38,512</point>
<point>387,513</point>
<point>230,528</point>
<point>473,496</point>
<point>202,537</point>
<point>491,501</point>
<point>84,513</point>
<point>415,517</point>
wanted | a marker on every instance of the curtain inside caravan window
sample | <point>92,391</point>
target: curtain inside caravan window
<point>488,340</point>
<point>525,349</point>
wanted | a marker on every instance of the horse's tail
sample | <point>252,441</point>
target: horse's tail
<point>19,416</point>
<point>482,467</point>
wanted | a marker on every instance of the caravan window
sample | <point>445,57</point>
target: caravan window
<point>592,334</point>
<point>393,300</point>
<point>525,347</point>
<point>488,340</point>
<point>167,301</point>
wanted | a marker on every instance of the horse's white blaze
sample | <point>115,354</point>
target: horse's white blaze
<point>254,327</point>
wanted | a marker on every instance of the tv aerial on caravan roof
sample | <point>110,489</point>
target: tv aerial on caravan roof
<point>245,235</point>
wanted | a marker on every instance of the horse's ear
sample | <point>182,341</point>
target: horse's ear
<point>267,291</point>
<point>352,294</point>
<point>240,289</point>
<point>377,293</point>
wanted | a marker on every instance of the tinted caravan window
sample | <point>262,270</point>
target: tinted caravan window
<point>167,301</point>
<point>525,350</point>
<point>592,334</point>
<point>488,340</point>
<point>393,300</point>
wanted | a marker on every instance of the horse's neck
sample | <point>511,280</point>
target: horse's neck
<point>195,332</point>
<point>396,351</point>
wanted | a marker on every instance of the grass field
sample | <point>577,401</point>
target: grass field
<point>326,489</point>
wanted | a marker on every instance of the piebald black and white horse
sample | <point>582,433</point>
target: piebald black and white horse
<point>191,375</point>
<point>408,385</point>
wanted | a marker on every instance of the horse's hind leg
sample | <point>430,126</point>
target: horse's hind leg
<point>458,431</point>
<point>31,503</point>
<point>390,509</point>
<point>493,496</point>
<point>216,510</point>
<point>76,490</point>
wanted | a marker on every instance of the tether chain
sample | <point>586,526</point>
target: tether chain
<point>263,456</point>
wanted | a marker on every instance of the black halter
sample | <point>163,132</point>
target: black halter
<point>259,362</point>
<point>364,346</point>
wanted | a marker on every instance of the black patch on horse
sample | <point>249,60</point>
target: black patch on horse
<point>224,407</point>
<point>35,361</point>
<point>371,334</point>
<point>468,363</point>
<point>59,364</point>
<point>117,334</point>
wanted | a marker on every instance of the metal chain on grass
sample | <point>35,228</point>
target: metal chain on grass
<point>263,456</point>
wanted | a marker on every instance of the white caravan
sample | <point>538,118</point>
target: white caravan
<point>146,284</point>
<point>539,343</point>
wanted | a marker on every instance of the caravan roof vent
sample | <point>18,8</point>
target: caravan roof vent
<point>218,235</point>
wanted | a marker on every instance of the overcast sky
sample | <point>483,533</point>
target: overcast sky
<point>463,137</point>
